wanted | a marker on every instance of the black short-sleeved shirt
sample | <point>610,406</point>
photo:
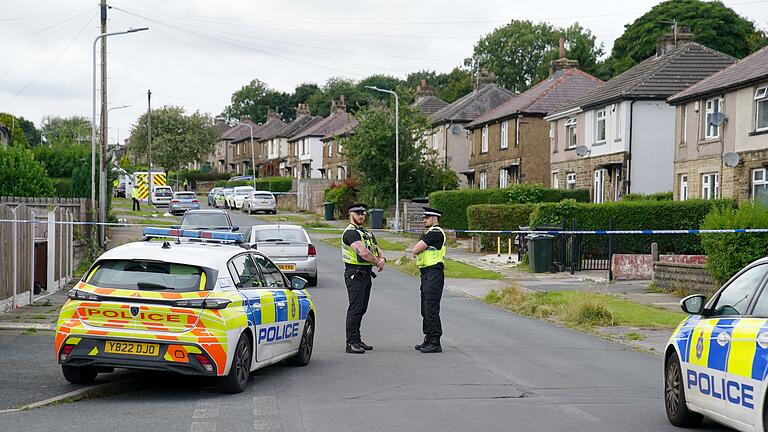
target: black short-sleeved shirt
<point>434,239</point>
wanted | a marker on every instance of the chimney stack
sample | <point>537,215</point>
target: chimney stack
<point>341,105</point>
<point>667,42</point>
<point>563,62</point>
<point>423,90</point>
<point>484,78</point>
<point>245,118</point>
<point>562,47</point>
<point>302,109</point>
<point>272,115</point>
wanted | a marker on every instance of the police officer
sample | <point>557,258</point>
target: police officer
<point>135,197</point>
<point>360,253</point>
<point>430,255</point>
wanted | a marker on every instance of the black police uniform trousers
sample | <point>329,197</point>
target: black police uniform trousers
<point>432,282</point>
<point>358,281</point>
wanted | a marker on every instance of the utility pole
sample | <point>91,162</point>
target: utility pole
<point>104,126</point>
<point>149,147</point>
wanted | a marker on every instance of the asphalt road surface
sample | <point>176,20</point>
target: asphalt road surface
<point>498,372</point>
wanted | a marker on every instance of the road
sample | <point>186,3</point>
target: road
<point>498,372</point>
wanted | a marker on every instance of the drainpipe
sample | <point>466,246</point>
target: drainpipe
<point>629,156</point>
<point>445,145</point>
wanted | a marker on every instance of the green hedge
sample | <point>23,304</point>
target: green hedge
<point>729,253</point>
<point>635,215</point>
<point>454,204</point>
<point>272,184</point>
<point>661,196</point>
<point>498,217</point>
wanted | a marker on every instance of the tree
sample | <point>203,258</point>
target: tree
<point>713,24</point>
<point>18,138</point>
<point>177,138</point>
<point>22,175</point>
<point>355,96</point>
<point>301,94</point>
<point>448,87</point>
<point>255,99</point>
<point>517,53</point>
<point>30,131</point>
<point>66,131</point>
<point>371,152</point>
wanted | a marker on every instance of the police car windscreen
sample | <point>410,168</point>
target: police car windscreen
<point>279,235</point>
<point>262,196</point>
<point>242,192</point>
<point>147,276</point>
<point>196,221</point>
<point>185,195</point>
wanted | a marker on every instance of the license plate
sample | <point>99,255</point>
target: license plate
<point>132,348</point>
<point>287,267</point>
<point>264,202</point>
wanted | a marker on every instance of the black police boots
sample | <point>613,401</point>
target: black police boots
<point>365,346</point>
<point>421,345</point>
<point>355,348</point>
<point>431,346</point>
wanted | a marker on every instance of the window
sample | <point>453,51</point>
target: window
<point>683,187</point>
<point>553,135</point>
<point>503,178</point>
<point>734,299</point>
<point>244,272</point>
<point>484,143</point>
<point>555,181</point>
<point>339,148</point>
<point>504,134</point>
<point>710,185</point>
<point>617,120</point>
<point>713,106</point>
<point>570,181</point>
<point>436,140</point>
<point>483,180</point>
<point>272,276</point>
<point>761,109</point>
<point>684,121</point>
<point>599,186</point>
<point>330,149</point>
<point>600,126</point>
<point>617,186</point>
<point>760,186</point>
<point>570,133</point>
<point>148,275</point>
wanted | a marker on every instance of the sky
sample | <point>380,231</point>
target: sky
<point>198,52</point>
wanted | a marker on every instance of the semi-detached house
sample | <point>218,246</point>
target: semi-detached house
<point>619,138</point>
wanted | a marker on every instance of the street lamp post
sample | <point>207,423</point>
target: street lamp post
<point>397,153</point>
<point>102,201</point>
<point>253,154</point>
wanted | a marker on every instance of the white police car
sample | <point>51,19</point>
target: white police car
<point>199,308</point>
<point>716,361</point>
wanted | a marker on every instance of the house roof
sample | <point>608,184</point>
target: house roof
<point>238,131</point>
<point>292,128</point>
<point>429,105</point>
<point>324,126</point>
<point>342,129</point>
<point>560,88</point>
<point>751,69</point>
<point>241,132</point>
<point>472,105</point>
<point>657,77</point>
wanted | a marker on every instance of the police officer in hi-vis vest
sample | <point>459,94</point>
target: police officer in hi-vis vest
<point>430,255</point>
<point>360,253</point>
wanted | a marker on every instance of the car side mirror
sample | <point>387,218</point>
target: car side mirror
<point>235,228</point>
<point>693,304</point>
<point>175,227</point>
<point>298,283</point>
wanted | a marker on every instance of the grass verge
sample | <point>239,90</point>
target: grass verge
<point>583,309</point>
<point>453,269</point>
<point>384,244</point>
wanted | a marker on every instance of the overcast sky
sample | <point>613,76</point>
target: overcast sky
<point>198,52</point>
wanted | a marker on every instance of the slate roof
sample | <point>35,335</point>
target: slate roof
<point>241,132</point>
<point>657,77</point>
<point>342,129</point>
<point>429,105</point>
<point>324,126</point>
<point>292,128</point>
<point>472,105</point>
<point>749,70</point>
<point>560,88</point>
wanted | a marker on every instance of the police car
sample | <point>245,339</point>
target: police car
<point>207,307</point>
<point>716,361</point>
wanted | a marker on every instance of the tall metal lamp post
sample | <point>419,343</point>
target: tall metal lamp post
<point>397,153</point>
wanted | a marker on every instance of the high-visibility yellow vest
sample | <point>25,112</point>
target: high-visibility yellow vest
<point>135,192</point>
<point>349,255</point>
<point>432,256</point>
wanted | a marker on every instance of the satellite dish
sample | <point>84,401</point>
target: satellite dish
<point>731,159</point>
<point>455,130</point>
<point>582,151</point>
<point>718,119</point>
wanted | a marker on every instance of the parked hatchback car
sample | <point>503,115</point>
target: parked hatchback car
<point>235,201</point>
<point>212,194</point>
<point>258,201</point>
<point>289,247</point>
<point>162,196</point>
<point>183,201</point>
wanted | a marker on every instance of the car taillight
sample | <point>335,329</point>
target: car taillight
<point>311,250</point>
<point>195,201</point>
<point>205,362</point>
<point>203,303</point>
<point>65,352</point>
<point>175,201</point>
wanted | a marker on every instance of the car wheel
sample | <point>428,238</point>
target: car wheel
<point>674,396</point>
<point>312,281</point>
<point>274,212</point>
<point>240,371</point>
<point>79,374</point>
<point>305,347</point>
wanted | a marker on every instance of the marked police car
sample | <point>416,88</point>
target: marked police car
<point>716,361</point>
<point>199,308</point>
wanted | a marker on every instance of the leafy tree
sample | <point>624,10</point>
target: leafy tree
<point>301,94</point>
<point>18,138</point>
<point>22,175</point>
<point>66,131</point>
<point>30,131</point>
<point>177,138</point>
<point>517,53</point>
<point>60,160</point>
<point>447,86</point>
<point>255,99</point>
<point>712,23</point>
<point>355,96</point>
<point>371,151</point>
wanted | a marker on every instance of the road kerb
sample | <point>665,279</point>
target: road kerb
<point>26,326</point>
<point>104,389</point>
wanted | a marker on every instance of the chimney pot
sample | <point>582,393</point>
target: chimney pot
<point>562,46</point>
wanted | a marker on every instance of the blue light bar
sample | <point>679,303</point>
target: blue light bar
<point>217,236</point>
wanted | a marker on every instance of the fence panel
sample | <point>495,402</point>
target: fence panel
<point>6,252</point>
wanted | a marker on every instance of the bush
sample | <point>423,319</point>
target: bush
<point>342,195</point>
<point>21,175</point>
<point>661,196</point>
<point>454,204</point>
<point>498,217</point>
<point>635,215</point>
<point>729,253</point>
<point>60,161</point>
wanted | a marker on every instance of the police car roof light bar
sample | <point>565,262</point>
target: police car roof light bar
<point>213,236</point>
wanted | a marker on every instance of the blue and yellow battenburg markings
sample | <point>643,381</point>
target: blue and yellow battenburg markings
<point>263,309</point>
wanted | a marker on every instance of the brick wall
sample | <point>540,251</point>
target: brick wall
<point>689,278</point>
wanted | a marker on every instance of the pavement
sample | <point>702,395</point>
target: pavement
<point>499,372</point>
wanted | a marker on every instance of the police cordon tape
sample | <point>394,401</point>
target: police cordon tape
<point>550,232</point>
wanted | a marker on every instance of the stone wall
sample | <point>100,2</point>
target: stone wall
<point>688,278</point>
<point>585,172</point>
<point>640,266</point>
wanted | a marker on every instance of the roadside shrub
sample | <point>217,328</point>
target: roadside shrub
<point>728,253</point>
<point>343,195</point>
<point>661,196</point>
<point>498,217</point>
<point>588,312</point>
<point>454,204</point>
<point>21,175</point>
<point>634,215</point>
<point>60,161</point>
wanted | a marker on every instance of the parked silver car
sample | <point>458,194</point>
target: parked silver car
<point>289,247</point>
<point>258,201</point>
<point>183,201</point>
